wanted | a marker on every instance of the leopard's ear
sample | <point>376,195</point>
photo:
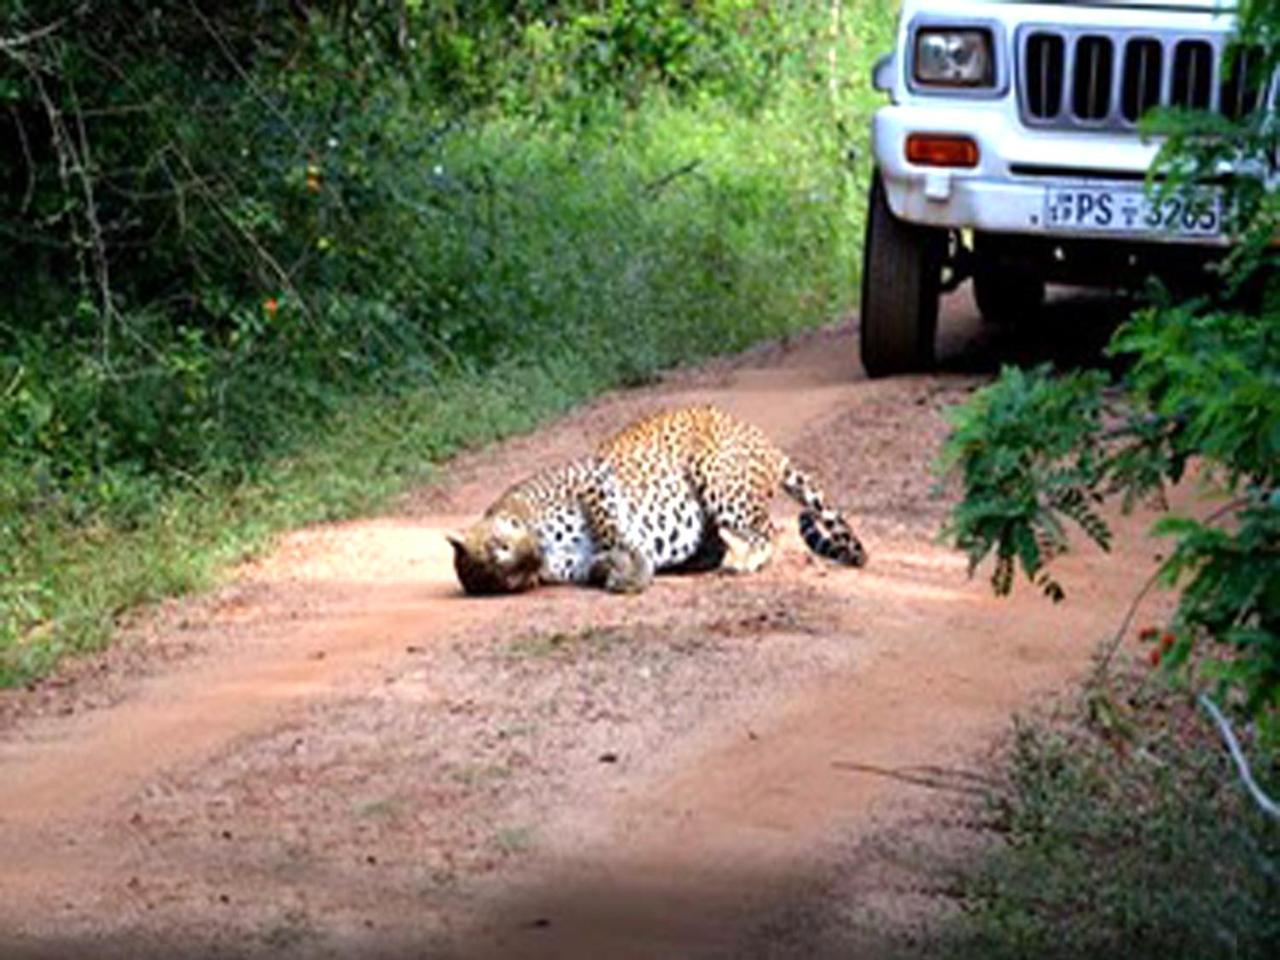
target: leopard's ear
<point>459,545</point>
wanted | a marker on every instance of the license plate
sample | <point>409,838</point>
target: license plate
<point>1132,212</point>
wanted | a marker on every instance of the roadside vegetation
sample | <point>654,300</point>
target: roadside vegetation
<point>1118,829</point>
<point>268,262</point>
<point>1128,830</point>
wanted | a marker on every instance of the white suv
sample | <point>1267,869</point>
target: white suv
<point>1010,153</point>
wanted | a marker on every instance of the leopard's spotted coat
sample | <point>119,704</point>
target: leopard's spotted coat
<point>685,487</point>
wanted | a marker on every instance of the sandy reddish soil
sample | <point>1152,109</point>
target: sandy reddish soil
<point>337,754</point>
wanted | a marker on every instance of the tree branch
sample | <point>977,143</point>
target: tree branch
<point>29,190</point>
<point>655,186</point>
<point>14,44</point>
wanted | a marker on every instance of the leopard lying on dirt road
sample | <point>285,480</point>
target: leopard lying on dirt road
<point>687,487</point>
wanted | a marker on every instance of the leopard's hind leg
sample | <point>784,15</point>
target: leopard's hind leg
<point>732,495</point>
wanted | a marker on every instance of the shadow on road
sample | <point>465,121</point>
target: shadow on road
<point>1071,333</point>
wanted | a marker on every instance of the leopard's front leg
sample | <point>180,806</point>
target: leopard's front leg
<point>621,570</point>
<point>620,566</point>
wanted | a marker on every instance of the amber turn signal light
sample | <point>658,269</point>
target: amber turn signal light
<point>941,150</point>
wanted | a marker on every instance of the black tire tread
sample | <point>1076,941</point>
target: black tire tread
<point>901,274</point>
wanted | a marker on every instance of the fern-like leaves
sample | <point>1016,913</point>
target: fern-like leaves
<point>1026,451</point>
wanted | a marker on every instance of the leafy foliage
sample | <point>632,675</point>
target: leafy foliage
<point>1035,449</point>
<point>1023,450</point>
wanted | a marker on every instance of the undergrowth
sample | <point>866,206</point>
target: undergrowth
<point>1124,832</point>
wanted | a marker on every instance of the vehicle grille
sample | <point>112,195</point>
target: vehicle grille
<point>1090,79</point>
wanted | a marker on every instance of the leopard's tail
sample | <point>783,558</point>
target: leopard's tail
<point>823,529</point>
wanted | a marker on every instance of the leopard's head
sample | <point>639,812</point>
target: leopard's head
<point>499,554</point>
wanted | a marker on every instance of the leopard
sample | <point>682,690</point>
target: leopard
<point>678,490</point>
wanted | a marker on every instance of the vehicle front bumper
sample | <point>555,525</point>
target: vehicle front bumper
<point>1005,192</point>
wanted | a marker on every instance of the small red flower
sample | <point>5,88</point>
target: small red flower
<point>1167,640</point>
<point>1147,634</point>
<point>270,306</point>
<point>1153,656</point>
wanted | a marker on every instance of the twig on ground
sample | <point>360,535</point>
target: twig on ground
<point>935,778</point>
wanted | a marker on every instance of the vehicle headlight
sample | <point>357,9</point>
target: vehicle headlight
<point>954,57</point>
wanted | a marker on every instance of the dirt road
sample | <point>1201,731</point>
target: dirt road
<point>339,755</point>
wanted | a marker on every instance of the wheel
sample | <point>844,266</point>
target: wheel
<point>901,274</point>
<point>1008,293</point>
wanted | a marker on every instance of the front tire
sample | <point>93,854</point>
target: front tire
<point>901,278</point>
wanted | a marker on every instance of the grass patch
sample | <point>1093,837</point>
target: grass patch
<point>568,646</point>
